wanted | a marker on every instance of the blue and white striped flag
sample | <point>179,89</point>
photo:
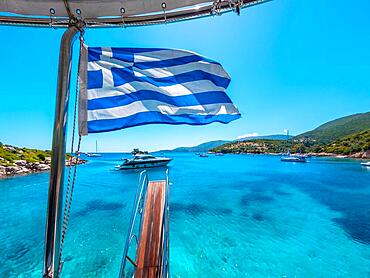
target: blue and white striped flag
<point>125,87</point>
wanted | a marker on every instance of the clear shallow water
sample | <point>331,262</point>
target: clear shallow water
<point>230,216</point>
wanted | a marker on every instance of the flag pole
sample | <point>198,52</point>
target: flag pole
<point>55,192</point>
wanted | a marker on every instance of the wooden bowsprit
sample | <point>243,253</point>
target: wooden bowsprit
<point>149,229</point>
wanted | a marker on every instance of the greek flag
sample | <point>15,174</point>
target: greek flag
<point>126,87</point>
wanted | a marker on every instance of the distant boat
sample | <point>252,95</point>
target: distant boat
<point>93,154</point>
<point>366,164</point>
<point>219,154</point>
<point>143,161</point>
<point>96,154</point>
<point>293,158</point>
<point>203,155</point>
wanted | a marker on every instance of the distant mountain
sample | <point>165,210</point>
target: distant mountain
<point>204,147</point>
<point>266,137</point>
<point>337,129</point>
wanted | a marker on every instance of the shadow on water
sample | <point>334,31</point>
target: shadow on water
<point>338,195</point>
<point>99,205</point>
<point>18,251</point>
<point>223,211</point>
<point>281,192</point>
<point>258,217</point>
<point>195,209</point>
<point>190,209</point>
<point>355,219</point>
<point>250,198</point>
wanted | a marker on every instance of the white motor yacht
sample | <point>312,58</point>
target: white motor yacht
<point>143,161</point>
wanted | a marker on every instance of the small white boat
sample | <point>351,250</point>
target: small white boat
<point>219,154</point>
<point>366,164</point>
<point>96,154</point>
<point>203,155</point>
<point>143,161</point>
<point>93,154</point>
<point>287,157</point>
<point>293,158</point>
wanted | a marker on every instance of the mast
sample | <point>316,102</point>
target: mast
<point>287,142</point>
<point>55,193</point>
<point>96,146</point>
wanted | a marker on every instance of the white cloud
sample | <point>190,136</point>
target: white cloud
<point>253,134</point>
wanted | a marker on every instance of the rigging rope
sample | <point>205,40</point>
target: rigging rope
<point>70,14</point>
<point>73,162</point>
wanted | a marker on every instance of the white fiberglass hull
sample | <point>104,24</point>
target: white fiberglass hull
<point>143,165</point>
<point>293,159</point>
<point>93,155</point>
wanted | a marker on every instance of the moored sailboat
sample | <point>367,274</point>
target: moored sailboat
<point>96,154</point>
<point>288,157</point>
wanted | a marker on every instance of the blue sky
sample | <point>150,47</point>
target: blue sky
<point>294,65</point>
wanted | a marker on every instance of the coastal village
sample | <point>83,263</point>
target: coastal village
<point>275,147</point>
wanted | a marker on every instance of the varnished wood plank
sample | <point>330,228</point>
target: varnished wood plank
<point>148,252</point>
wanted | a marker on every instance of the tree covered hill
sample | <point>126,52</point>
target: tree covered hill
<point>10,154</point>
<point>337,129</point>
<point>20,161</point>
<point>252,146</point>
<point>205,147</point>
<point>358,142</point>
<point>345,136</point>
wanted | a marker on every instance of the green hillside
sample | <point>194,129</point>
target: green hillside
<point>345,136</point>
<point>252,146</point>
<point>205,147</point>
<point>10,154</point>
<point>337,129</point>
<point>355,143</point>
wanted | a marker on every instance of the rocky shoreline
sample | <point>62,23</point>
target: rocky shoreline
<point>359,155</point>
<point>22,167</point>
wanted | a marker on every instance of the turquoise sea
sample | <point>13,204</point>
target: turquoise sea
<point>230,216</point>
